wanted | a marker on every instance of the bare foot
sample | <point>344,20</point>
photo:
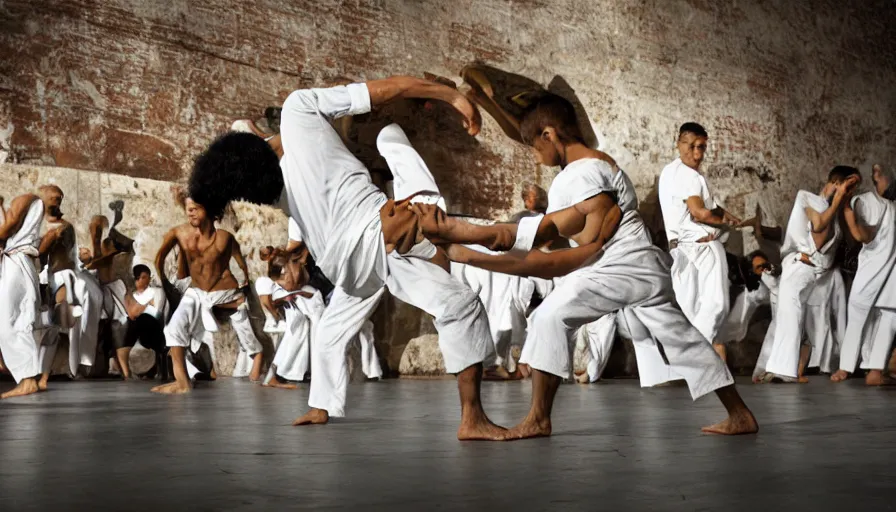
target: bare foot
<point>482,430</point>
<point>877,378</point>
<point>736,424</point>
<point>172,388</point>
<point>496,373</point>
<point>26,387</point>
<point>42,383</point>
<point>274,383</point>
<point>524,370</point>
<point>312,417</point>
<point>213,375</point>
<point>583,378</point>
<point>839,376</point>
<point>529,429</point>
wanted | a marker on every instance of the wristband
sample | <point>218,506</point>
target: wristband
<point>525,235</point>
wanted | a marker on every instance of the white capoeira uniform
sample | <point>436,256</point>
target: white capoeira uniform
<point>871,323</point>
<point>337,208</point>
<point>825,320</point>
<point>292,356</point>
<point>699,269</point>
<point>797,282</point>
<point>631,274</point>
<point>20,304</point>
<point>193,322</point>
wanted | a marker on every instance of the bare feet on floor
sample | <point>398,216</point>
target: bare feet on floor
<point>877,378</point>
<point>172,388</point>
<point>839,376</point>
<point>274,383</point>
<point>738,423</point>
<point>26,387</point>
<point>480,430</point>
<point>312,417</point>
<point>529,428</point>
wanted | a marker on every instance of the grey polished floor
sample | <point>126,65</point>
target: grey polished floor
<point>230,446</point>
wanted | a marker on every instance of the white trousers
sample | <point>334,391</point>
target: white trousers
<point>797,282</point>
<point>640,282</point>
<point>84,291</point>
<point>460,320</point>
<point>700,281</point>
<point>876,352</point>
<point>19,315</point>
<point>370,362</point>
<point>292,358</point>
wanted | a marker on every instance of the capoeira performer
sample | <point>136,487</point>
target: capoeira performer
<point>350,228</point>
<point>76,295</point>
<point>147,309</point>
<point>208,251</point>
<point>807,257</point>
<point>613,268</point>
<point>871,324</point>
<point>694,227</point>
<point>20,319</point>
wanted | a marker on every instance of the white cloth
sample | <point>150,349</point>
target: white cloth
<point>156,295</point>
<point>874,287</point>
<point>20,297</point>
<point>295,234</point>
<point>410,174</point>
<point>265,286</point>
<point>335,205</point>
<point>825,319</point>
<point>370,362</point>
<point>113,301</point>
<point>745,305</point>
<point>798,238</point>
<point>631,273</point>
<point>293,356</point>
<point>771,283</point>
<point>699,270</point>
<point>84,292</point>
<point>193,321</point>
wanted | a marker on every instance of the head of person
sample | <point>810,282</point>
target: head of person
<point>692,144</point>
<point>759,262</point>
<point>142,275</point>
<point>52,197</point>
<point>548,126</point>
<point>288,269</point>
<point>84,255</point>
<point>197,214</point>
<point>840,174</point>
<point>535,198</point>
<point>884,182</point>
<point>235,166</point>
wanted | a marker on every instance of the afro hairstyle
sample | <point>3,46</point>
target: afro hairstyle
<point>236,166</point>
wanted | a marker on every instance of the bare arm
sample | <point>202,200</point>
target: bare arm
<point>237,254</point>
<point>15,215</point>
<point>51,237</point>
<point>441,229</point>
<point>133,308</point>
<point>168,243</point>
<point>407,87</point>
<point>268,304</point>
<point>716,217</point>
<point>858,230</point>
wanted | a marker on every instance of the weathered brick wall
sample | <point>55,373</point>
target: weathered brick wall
<point>138,87</point>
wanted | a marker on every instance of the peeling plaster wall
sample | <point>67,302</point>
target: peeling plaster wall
<point>786,89</point>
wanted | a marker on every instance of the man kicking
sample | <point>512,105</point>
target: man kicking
<point>871,322</point>
<point>807,257</point>
<point>350,228</point>
<point>613,268</point>
<point>20,292</point>
<point>208,251</point>
<point>694,225</point>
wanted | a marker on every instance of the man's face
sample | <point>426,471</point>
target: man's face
<point>195,213</point>
<point>530,201</point>
<point>760,265</point>
<point>142,282</point>
<point>881,182</point>
<point>692,149</point>
<point>52,199</point>
<point>84,255</point>
<point>545,148</point>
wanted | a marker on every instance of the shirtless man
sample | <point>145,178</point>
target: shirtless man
<point>20,292</point>
<point>351,228</point>
<point>208,251</point>
<point>615,267</point>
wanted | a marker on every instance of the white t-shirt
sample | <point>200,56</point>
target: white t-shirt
<point>328,191</point>
<point>157,296</point>
<point>798,238</point>
<point>579,181</point>
<point>264,286</point>
<point>678,182</point>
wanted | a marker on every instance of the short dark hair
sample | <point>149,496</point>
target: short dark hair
<point>141,269</point>
<point>694,128</point>
<point>554,111</point>
<point>841,172</point>
<point>756,254</point>
<point>236,166</point>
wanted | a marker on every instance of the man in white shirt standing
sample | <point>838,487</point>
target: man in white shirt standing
<point>694,228</point>
<point>146,309</point>
<point>806,257</point>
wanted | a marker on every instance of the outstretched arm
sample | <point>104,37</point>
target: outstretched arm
<point>408,87</point>
<point>168,243</point>
<point>861,232</point>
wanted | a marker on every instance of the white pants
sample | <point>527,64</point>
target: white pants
<point>638,281</point>
<point>876,352</point>
<point>370,362</point>
<point>460,320</point>
<point>700,281</point>
<point>19,315</point>
<point>83,290</point>
<point>293,355</point>
<point>797,282</point>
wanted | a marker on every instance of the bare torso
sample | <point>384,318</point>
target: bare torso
<point>59,255</point>
<point>208,258</point>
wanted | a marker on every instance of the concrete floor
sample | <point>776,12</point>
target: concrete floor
<point>228,446</point>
